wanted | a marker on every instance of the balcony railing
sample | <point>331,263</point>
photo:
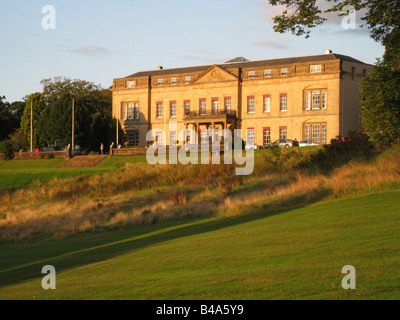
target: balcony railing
<point>210,113</point>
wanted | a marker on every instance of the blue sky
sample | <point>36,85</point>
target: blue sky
<point>98,40</point>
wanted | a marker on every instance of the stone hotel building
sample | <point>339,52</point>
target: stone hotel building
<point>309,97</point>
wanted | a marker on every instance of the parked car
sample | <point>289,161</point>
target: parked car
<point>284,143</point>
<point>254,147</point>
<point>307,143</point>
<point>49,149</point>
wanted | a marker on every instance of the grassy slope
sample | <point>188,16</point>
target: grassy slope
<point>20,173</point>
<point>281,254</point>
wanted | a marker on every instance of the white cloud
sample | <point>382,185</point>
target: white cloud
<point>91,51</point>
<point>271,44</point>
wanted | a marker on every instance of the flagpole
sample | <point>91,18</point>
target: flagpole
<point>73,120</point>
<point>117,131</point>
<point>31,126</point>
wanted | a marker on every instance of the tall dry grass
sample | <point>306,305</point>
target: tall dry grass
<point>144,194</point>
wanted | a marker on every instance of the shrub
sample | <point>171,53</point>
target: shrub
<point>6,148</point>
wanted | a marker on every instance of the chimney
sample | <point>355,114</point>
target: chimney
<point>160,68</point>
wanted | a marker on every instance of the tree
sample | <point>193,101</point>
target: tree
<point>4,118</point>
<point>381,17</point>
<point>380,91</point>
<point>6,148</point>
<point>380,96</point>
<point>92,112</point>
<point>37,110</point>
<point>55,124</point>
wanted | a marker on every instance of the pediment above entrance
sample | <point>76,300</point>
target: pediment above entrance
<point>215,73</point>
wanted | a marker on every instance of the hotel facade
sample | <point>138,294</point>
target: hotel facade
<point>310,97</point>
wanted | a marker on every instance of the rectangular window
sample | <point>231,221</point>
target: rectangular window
<point>202,107</point>
<point>172,109</point>
<point>315,68</point>
<point>252,74</point>
<point>266,136</point>
<point>353,72</point>
<point>283,102</point>
<point>174,80</point>
<point>323,134</point>
<point>323,99</point>
<point>133,138</point>
<point>131,110</point>
<point>284,71</point>
<point>250,136</point>
<point>186,104</point>
<point>307,102</point>
<point>214,105</point>
<point>124,111</point>
<point>228,104</point>
<point>136,111</point>
<point>316,100</point>
<point>282,132</point>
<point>188,79</point>
<point>315,132</point>
<point>172,138</point>
<point>267,73</point>
<point>160,82</point>
<point>159,138</point>
<point>267,103</point>
<point>307,132</point>
<point>159,109</point>
<point>250,104</point>
<point>131,84</point>
<point>204,138</point>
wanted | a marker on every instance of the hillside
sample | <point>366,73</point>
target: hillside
<point>277,254</point>
<point>199,232</point>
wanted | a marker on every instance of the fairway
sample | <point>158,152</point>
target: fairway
<point>295,253</point>
<point>20,173</point>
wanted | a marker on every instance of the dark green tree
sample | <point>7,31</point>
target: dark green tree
<point>38,107</point>
<point>92,108</point>
<point>56,122</point>
<point>5,116</point>
<point>6,149</point>
<point>380,91</point>
<point>300,16</point>
<point>380,95</point>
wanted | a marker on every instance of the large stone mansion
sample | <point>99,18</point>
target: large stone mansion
<point>309,97</point>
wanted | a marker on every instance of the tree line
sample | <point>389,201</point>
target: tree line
<point>52,116</point>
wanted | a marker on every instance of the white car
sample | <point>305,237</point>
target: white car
<point>307,143</point>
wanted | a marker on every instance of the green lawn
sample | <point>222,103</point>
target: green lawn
<point>283,254</point>
<point>20,173</point>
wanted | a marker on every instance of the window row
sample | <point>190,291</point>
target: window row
<point>250,135</point>
<point>202,107</point>
<point>316,132</point>
<point>313,100</point>
<point>283,103</point>
<point>283,72</point>
<point>174,80</point>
